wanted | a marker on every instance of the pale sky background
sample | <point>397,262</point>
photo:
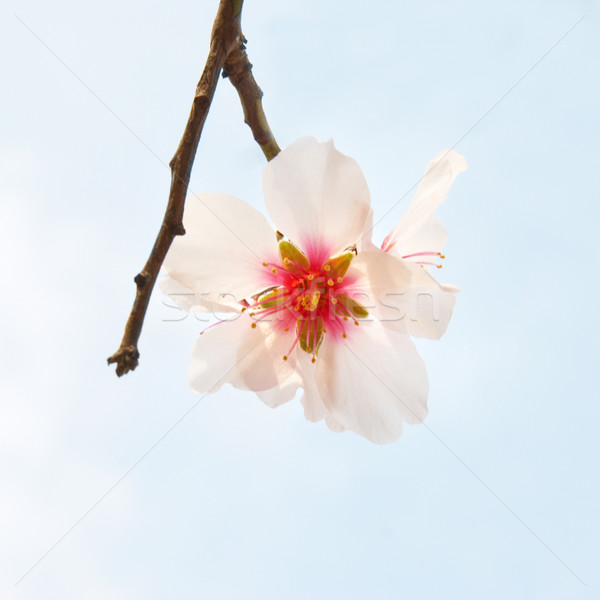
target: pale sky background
<point>239,500</point>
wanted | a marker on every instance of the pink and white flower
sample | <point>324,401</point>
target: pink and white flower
<point>317,306</point>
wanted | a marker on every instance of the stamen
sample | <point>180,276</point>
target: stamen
<point>424,254</point>
<point>275,268</point>
<point>214,325</point>
<point>267,312</point>
<point>295,341</point>
<point>253,325</point>
<point>422,262</point>
<point>294,264</point>
<point>259,302</point>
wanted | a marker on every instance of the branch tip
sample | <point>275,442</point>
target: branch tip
<point>126,359</point>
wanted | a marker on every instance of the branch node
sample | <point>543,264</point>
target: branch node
<point>140,280</point>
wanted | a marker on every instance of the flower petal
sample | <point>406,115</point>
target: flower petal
<point>381,284</point>
<point>188,301</point>
<point>249,358</point>
<point>401,294</point>
<point>281,394</point>
<point>222,253</point>
<point>314,409</point>
<point>419,230</point>
<point>317,197</point>
<point>430,304</point>
<point>372,383</point>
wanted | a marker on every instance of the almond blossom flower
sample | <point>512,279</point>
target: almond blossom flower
<point>313,304</point>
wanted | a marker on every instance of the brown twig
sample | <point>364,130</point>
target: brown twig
<point>226,35</point>
<point>239,70</point>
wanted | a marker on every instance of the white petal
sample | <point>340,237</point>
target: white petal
<point>317,197</point>
<point>222,253</point>
<point>282,393</point>
<point>381,284</point>
<point>401,294</point>
<point>372,383</point>
<point>314,409</point>
<point>188,301</point>
<point>333,425</point>
<point>430,304</point>
<point>419,230</point>
<point>247,358</point>
<point>366,235</point>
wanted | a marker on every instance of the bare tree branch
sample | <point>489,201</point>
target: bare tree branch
<point>239,70</point>
<point>226,35</point>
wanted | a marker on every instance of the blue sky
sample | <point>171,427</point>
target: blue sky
<point>495,496</point>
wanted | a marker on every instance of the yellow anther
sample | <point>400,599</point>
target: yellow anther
<point>327,268</point>
<point>273,270</point>
<point>441,255</point>
<point>314,359</point>
<point>340,279</point>
<point>334,301</point>
<point>244,309</point>
<point>287,329</point>
<point>265,264</point>
<point>314,300</point>
<point>284,357</point>
<point>286,261</point>
<point>356,323</point>
<point>345,318</point>
<point>310,277</point>
<point>330,282</point>
<point>253,325</point>
<point>439,266</point>
<point>344,335</point>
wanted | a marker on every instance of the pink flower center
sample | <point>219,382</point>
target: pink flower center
<point>312,300</point>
